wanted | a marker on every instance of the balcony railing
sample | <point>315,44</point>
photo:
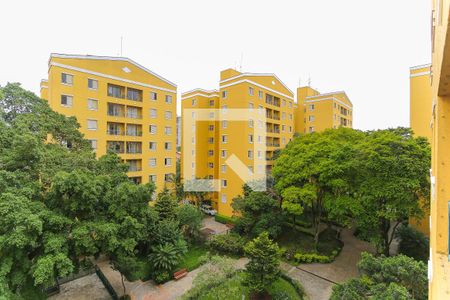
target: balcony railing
<point>115,132</point>
<point>134,169</point>
<point>134,133</point>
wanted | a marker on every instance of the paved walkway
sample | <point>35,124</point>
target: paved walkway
<point>318,279</point>
<point>218,228</point>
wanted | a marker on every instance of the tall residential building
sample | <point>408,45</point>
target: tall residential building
<point>439,265</point>
<point>420,120</point>
<point>178,132</point>
<point>216,142</point>
<point>121,106</point>
<point>315,112</point>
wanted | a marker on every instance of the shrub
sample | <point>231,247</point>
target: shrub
<point>162,277</point>
<point>297,286</point>
<point>231,243</point>
<point>225,219</point>
<point>314,257</point>
<point>413,243</point>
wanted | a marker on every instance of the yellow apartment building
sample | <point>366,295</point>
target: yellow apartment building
<point>439,265</point>
<point>205,136</point>
<point>315,112</point>
<point>121,106</point>
<point>263,94</point>
<point>420,119</point>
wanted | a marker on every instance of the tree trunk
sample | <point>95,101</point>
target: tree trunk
<point>123,285</point>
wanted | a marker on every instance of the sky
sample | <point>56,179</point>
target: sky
<point>362,47</point>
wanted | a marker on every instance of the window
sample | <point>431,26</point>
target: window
<point>92,104</point>
<point>259,139</point>
<point>193,115</point>
<point>152,178</point>
<point>66,79</point>
<point>283,116</point>
<point>92,124</point>
<point>134,147</point>
<point>66,100</point>
<point>259,154</point>
<point>168,99</point>
<point>224,139</point>
<point>260,109</point>
<point>224,183</point>
<point>168,130</point>
<point>211,127</point>
<point>290,116</point>
<point>115,147</point>
<point>224,94</point>
<point>116,91</point>
<point>250,170</point>
<point>152,129</point>
<point>250,123</point>
<point>250,154</point>
<point>250,138</point>
<point>283,103</point>
<point>153,96</point>
<point>115,129</point>
<point>134,94</point>
<point>211,115</point>
<point>224,198</point>
<point>93,144</point>
<point>210,140</point>
<point>116,110</point>
<point>133,112</point>
<point>167,177</point>
<point>92,84</point>
<point>283,141</point>
<point>211,102</point>
<point>224,124</point>
<point>223,153</point>
<point>194,102</point>
<point>283,128</point>
<point>224,108</point>
<point>311,118</point>
<point>250,105</point>
<point>153,113</point>
<point>152,162</point>
<point>223,168</point>
<point>210,152</point>
<point>311,129</point>
<point>311,107</point>
<point>168,146</point>
<point>290,104</point>
<point>290,129</point>
<point>167,161</point>
<point>152,146</point>
<point>168,115</point>
<point>134,130</point>
<point>251,91</point>
<point>211,165</point>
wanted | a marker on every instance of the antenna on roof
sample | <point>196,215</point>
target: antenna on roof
<point>309,81</point>
<point>121,46</point>
<point>299,82</point>
<point>242,58</point>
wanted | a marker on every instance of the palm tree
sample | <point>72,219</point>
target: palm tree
<point>165,257</point>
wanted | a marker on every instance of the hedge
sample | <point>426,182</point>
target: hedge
<point>314,257</point>
<point>225,219</point>
<point>297,286</point>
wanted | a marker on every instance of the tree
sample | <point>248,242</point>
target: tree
<point>176,182</point>
<point>413,243</point>
<point>262,269</point>
<point>259,213</point>
<point>166,205</point>
<point>393,175</point>
<point>165,257</point>
<point>397,277</point>
<point>190,218</point>
<point>316,171</point>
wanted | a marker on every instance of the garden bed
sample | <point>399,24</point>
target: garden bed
<point>234,290</point>
<point>293,241</point>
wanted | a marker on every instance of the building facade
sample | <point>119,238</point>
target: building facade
<point>439,265</point>
<point>315,112</point>
<point>121,107</point>
<point>420,120</point>
<point>216,142</point>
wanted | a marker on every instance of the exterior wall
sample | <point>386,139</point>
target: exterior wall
<point>420,119</point>
<point>316,112</point>
<point>205,161</point>
<point>129,75</point>
<point>234,93</point>
<point>439,266</point>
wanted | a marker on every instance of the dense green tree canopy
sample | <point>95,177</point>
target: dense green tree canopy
<point>60,206</point>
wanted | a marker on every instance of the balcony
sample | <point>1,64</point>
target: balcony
<point>115,147</point>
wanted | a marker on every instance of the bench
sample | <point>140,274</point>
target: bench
<point>180,274</point>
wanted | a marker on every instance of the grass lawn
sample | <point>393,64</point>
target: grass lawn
<point>192,259</point>
<point>234,290</point>
<point>294,240</point>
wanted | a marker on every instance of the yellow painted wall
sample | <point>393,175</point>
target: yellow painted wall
<point>127,74</point>
<point>420,118</point>
<point>439,266</point>
<point>316,112</point>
